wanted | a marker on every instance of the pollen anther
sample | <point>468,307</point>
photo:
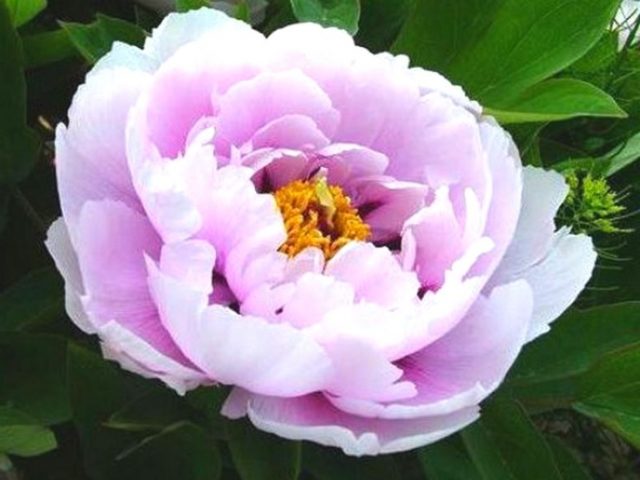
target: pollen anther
<point>318,215</point>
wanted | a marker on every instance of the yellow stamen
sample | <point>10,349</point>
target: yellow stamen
<point>318,215</point>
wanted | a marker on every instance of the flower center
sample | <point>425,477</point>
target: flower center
<point>318,215</point>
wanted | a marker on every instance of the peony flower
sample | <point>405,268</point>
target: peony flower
<point>345,240</point>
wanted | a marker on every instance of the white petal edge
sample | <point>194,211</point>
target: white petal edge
<point>355,436</point>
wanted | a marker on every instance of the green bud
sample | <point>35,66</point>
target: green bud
<point>591,205</point>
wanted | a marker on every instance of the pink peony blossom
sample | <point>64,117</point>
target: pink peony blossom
<point>345,240</point>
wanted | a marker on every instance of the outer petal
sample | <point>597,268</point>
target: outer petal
<point>59,245</point>
<point>114,274</point>
<point>123,55</point>
<point>543,193</point>
<point>557,266</point>
<point>313,418</point>
<point>464,366</point>
<point>187,86</point>
<point>91,162</point>
<point>118,343</point>
<point>136,355</point>
<point>177,30</point>
<point>559,278</point>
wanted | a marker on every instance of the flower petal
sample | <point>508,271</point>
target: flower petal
<point>91,162</point>
<point>314,418</point>
<point>464,366</point>
<point>114,273</point>
<point>556,265</point>
<point>375,275</point>
<point>542,194</point>
<point>273,359</point>
<point>559,278</point>
<point>250,105</point>
<point>177,30</point>
<point>59,245</point>
<point>136,355</point>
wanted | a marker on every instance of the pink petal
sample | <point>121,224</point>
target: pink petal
<point>184,87</point>
<point>502,211</point>
<point>542,194</point>
<point>361,372</point>
<point>91,162</point>
<point>313,418</point>
<point>294,131</point>
<point>439,239</point>
<point>59,245</point>
<point>245,228</point>
<point>464,366</point>
<point>114,273</point>
<point>559,278</point>
<point>386,204</point>
<point>557,266</point>
<point>313,297</point>
<point>345,162</point>
<point>136,355</point>
<point>273,359</point>
<point>169,189</point>
<point>250,105</point>
<point>374,274</point>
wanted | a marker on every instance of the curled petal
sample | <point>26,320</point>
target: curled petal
<point>313,418</point>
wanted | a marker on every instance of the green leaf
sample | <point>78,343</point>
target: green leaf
<point>610,390</point>
<point>547,372</point>
<point>596,166</point>
<point>32,369</point>
<point>146,18</point>
<point>498,48</point>
<point>96,391</point>
<point>181,451</point>
<point>19,145</point>
<point>343,14</point>
<point>576,340</point>
<point>624,424</point>
<point>186,5</point>
<point>331,464</point>
<point>95,39</point>
<point>48,47</point>
<point>558,99</point>
<point>623,155</point>
<point>567,461</point>
<point>448,460</point>
<point>154,410</point>
<point>260,456</point>
<point>22,435</point>
<point>504,444</point>
<point>208,401</point>
<point>22,11</point>
<point>36,299</point>
<point>380,22</point>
